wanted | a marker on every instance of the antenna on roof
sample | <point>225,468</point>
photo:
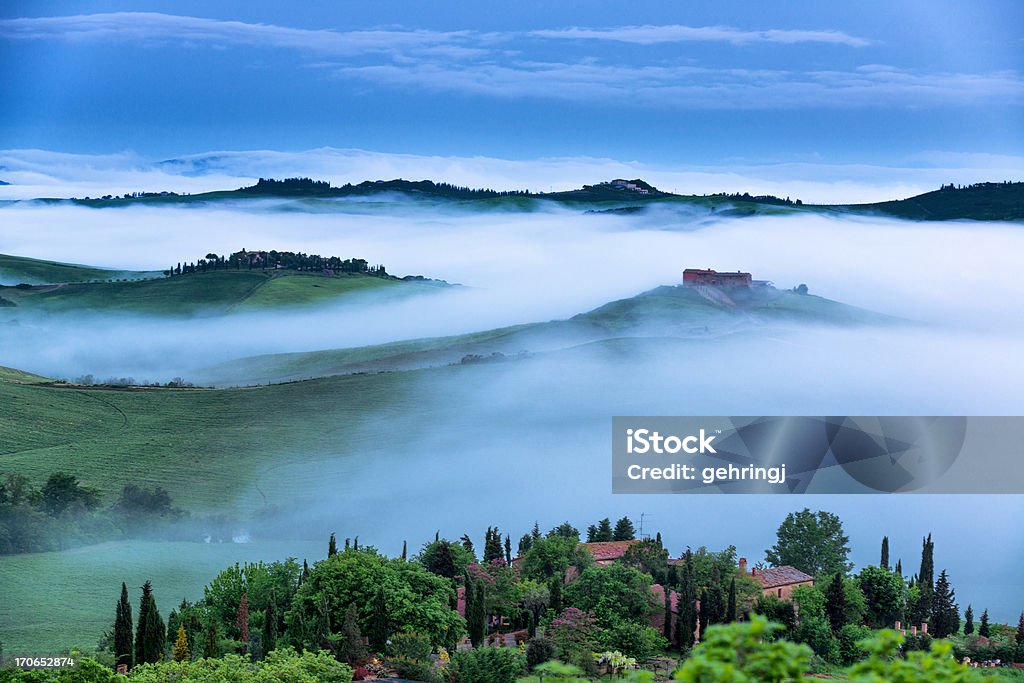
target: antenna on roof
<point>646,537</point>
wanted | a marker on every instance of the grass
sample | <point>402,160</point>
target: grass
<point>55,601</point>
<point>210,293</point>
<point>16,269</point>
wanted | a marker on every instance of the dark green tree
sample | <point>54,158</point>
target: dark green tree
<point>945,617</point>
<point>603,531</point>
<point>270,630</point>
<point>686,621</point>
<point>667,627</point>
<point>812,542</point>
<point>477,620</point>
<point>969,621</point>
<point>508,550</point>
<point>899,567</point>
<point>332,546</point>
<point>563,530</point>
<point>379,627</point>
<point>555,588</point>
<point>405,551</point>
<point>350,645</point>
<point>983,629</point>
<point>624,530</point>
<point>1019,637</point>
<point>835,603</point>
<point>730,610</point>
<point>884,564</point>
<point>211,640</point>
<point>150,635</point>
<point>925,582</point>
<point>123,638</point>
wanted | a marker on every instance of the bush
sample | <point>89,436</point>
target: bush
<point>741,652</point>
<point>415,669</point>
<point>885,664</point>
<point>410,645</point>
<point>538,651</point>
<point>634,640</point>
<point>488,665</point>
<point>850,648</point>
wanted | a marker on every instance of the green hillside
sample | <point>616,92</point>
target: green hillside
<point>19,269</point>
<point>209,293</point>
<point>981,202</point>
<point>674,311</point>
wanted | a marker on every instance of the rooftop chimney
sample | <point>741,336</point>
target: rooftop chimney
<point>743,565</point>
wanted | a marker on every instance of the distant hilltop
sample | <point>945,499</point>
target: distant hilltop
<point>981,201</point>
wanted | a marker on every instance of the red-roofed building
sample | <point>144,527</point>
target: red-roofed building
<point>778,581</point>
<point>607,552</point>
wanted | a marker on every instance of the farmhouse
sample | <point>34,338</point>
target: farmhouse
<point>693,277</point>
<point>778,581</point>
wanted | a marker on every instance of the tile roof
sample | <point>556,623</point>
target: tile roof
<point>773,577</point>
<point>608,551</point>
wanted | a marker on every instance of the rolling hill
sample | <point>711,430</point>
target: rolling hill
<point>200,294</point>
<point>20,269</point>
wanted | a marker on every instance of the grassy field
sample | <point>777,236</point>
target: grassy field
<point>16,269</point>
<point>210,293</point>
<point>55,601</point>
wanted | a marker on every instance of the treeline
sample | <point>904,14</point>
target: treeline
<point>278,260</point>
<point>760,199</point>
<point>64,513</point>
<point>321,188</point>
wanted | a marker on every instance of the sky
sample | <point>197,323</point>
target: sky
<point>914,89</point>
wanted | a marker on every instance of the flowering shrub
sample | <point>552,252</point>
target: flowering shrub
<point>615,662</point>
<point>573,632</point>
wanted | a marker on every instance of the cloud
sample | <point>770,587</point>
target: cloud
<point>676,33</point>
<point>510,65</point>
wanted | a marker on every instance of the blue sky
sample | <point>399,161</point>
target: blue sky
<point>663,83</point>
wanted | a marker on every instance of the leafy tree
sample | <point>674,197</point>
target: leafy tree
<point>552,556</point>
<point>945,618</point>
<point>835,603</point>
<point>538,651</point>
<point>150,632</point>
<point>984,630</point>
<point>744,653</point>
<point>884,595</point>
<point>574,632</point>
<point>488,665</point>
<point>446,558</point>
<point>633,639</point>
<point>123,641</point>
<point>613,593</point>
<point>969,621</point>
<point>812,542</point>
<point>181,648</point>
<point>259,581</point>
<point>62,492</point>
<point>211,639</point>
<point>884,663</point>
<point>555,593</point>
<point>649,557</point>
<point>563,530</point>
<point>884,564</point>
<point>624,530</point>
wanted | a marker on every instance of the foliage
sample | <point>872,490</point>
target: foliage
<point>123,638</point>
<point>650,558</point>
<point>850,639</point>
<point>624,530</point>
<point>538,651</point>
<point>150,634</point>
<point>601,532</point>
<point>181,648</point>
<point>552,555</point>
<point>573,632</point>
<point>812,542</point>
<point>282,665</point>
<point>945,617</point>
<point>487,665</point>
<point>884,665</point>
<point>744,653</point>
<point>884,595</point>
<point>633,639</point>
<point>409,655</point>
<point>615,662</point>
<point>614,593</point>
<point>446,558</point>
<point>414,599</point>
<point>260,582</point>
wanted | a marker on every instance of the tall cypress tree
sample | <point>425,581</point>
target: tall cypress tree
<point>123,640</point>
<point>555,594</point>
<point>835,603</point>
<point>269,635</point>
<point>379,627</point>
<point>686,620</point>
<point>211,640</point>
<point>945,617</point>
<point>899,567</point>
<point>926,580</point>
<point>478,621</point>
<point>730,610</point>
<point>884,564</point>
<point>150,633</point>
<point>1019,637</point>
<point>969,621</point>
<point>508,550</point>
<point>667,628</point>
<point>332,546</point>
<point>405,551</point>
<point>983,629</point>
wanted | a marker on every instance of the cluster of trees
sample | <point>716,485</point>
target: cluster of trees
<point>603,531</point>
<point>321,188</point>
<point>277,260</point>
<point>64,512</point>
<point>760,199</point>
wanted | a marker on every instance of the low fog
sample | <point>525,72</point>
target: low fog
<point>511,442</point>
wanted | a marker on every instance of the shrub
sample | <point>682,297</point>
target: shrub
<point>742,653</point>
<point>488,665</point>
<point>634,640</point>
<point>538,651</point>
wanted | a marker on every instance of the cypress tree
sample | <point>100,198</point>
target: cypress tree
<point>604,531</point>
<point>657,540</point>
<point>945,617</point>
<point>899,567</point>
<point>835,603</point>
<point>686,621</point>
<point>885,553</point>
<point>305,572</point>
<point>730,611</point>
<point>508,550</point>
<point>969,621</point>
<point>332,546</point>
<point>269,636</point>
<point>379,622</point>
<point>355,543</point>
<point>667,628</point>
<point>123,640</point>
<point>405,551</point>
<point>926,580</point>
<point>350,646</point>
<point>242,621</point>
<point>478,619</point>
<point>1019,637</point>
<point>181,649</point>
<point>555,594</point>
<point>150,635</point>
<point>467,543</point>
<point>983,629</point>
<point>211,641</point>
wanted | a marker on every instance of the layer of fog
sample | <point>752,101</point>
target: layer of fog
<point>41,173</point>
<point>516,268</point>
